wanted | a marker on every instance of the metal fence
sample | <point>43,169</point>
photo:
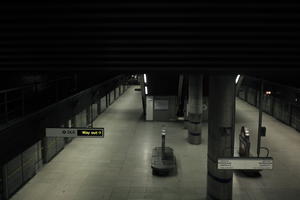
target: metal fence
<point>19,101</point>
<point>283,110</point>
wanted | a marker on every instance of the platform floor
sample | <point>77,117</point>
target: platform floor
<point>117,167</point>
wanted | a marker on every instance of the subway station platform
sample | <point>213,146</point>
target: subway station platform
<point>117,167</point>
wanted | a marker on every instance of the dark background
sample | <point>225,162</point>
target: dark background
<point>258,39</point>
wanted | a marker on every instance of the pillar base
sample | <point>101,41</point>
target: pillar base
<point>185,124</point>
<point>194,139</point>
<point>219,188</point>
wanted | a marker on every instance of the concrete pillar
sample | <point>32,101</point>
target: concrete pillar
<point>220,135</point>
<point>195,108</point>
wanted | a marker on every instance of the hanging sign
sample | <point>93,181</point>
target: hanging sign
<point>245,163</point>
<point>75,132</point>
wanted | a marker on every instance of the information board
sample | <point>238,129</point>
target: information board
<point>245,163</point>
<point>75,132</point>
<point>161,104</point>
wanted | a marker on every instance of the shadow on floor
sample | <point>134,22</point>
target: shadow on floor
<point>247,173</point>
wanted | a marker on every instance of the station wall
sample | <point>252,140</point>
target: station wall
<point>161,108</point>
<point>281,109</point>
<point>19,170</point>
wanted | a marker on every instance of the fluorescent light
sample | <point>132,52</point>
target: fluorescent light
<point>237,79</point>
<point>145,78</point>
<point>146,90</point>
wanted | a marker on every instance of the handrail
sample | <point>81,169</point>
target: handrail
<point>56,100</point>
<point>32,85</point>
<point>12,100</point>
<point>279,85</point>
<point>273,83</point>
<point>15,89</point>
<point>21,98</point>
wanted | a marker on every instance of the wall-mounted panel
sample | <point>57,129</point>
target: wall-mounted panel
<point>107,97</point>
<point>49,148</point>
<point>19,170</point>
<point>277,109</point>
<point>103,103</point>
<point>60,144</point>
<point>161,104</point>
<point>94,111</point>
<point>99,107</point>
<point>78,120</point>
<point>149,108</point>
<point>286,113</point>
<point>12,176</point>
<point>251,96</point>
<point>111,97</point>
<point>39,163</point>
<point>164,108</point>
<point>117,92</point>
<point>83,118</point>
<point>89,114</point>
<point>29,160</point>
<point>295,117</point>
<point>121,89</point>
<point>282,111</point>
<point>267,104</point>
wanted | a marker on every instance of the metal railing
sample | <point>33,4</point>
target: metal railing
<point>19,101</point>
<point>282,108</point>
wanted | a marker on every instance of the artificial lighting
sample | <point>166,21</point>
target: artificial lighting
<point>145,78</point>
<point>268,92</point>
<point>237,79</point>
<point>146,90</point>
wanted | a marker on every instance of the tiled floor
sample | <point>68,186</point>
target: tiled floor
<point>284,143</point>
<point>118,166</point>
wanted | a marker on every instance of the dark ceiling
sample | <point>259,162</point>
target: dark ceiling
<point>251,38</point>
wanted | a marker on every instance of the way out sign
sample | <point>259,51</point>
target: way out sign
<point>75,132</point>
<point>245,163</point>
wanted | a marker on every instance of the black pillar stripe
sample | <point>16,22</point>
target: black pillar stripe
<point>221,180</point>
<point>197,123</point>
<point>213,197</point>
<point>194,134</point>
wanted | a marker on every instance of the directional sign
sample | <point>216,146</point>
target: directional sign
<point>75,132</point>
<point>245,163</point>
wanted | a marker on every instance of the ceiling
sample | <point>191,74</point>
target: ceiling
<point>249,38</point>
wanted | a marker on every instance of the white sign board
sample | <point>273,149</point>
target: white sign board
<point>245,163</point>
<point>75,132</point>
<point>149,108</point>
